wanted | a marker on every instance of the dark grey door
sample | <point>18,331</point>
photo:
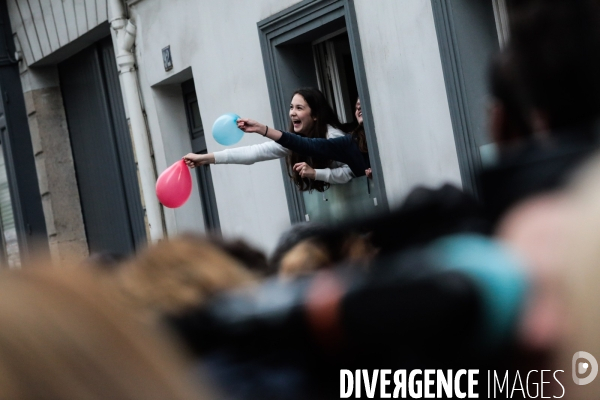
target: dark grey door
<point>102,151</point>
<point>196,130</point>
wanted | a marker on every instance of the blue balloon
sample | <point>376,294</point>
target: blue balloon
<point>225,129</point>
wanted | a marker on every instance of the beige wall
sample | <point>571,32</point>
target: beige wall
<point>44,30</point>
<point>54,164</point>
<point>408,95</point>
<point>219,41</point>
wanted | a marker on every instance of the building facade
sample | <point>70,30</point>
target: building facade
<point>104,122</point>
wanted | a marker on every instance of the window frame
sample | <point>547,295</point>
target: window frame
<point>331,75</point>
<point>210,210</point>
<point>289,24</point>
<point>463,105</point>
<point>502,21</point>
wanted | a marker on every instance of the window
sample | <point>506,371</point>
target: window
<point>196,130</point>
<point>316,43</point>
<point>501,16</point>
<point>467,36</point>
<point>335,73</point>
<point>335,76</point>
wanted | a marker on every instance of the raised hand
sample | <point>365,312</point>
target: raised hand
<point>305,170</point>
<point>193,160</point>
<point>250,125</point>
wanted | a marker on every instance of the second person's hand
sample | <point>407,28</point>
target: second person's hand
<point>305,170</point>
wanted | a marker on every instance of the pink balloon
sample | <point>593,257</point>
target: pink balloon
<point>174,185</point>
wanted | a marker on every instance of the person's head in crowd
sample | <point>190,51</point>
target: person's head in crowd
<point>290,238</point>
<point>547,91</point>
<point>179,273</point>
<point>319,253</point>
<point>557,236</point>
<point>252,258</point>
<point>304,258</point>
<point>555,47</point>
<point>507,123</point>
<point>64,337</point>
<point>310,114</point>
<point>310,247</point>
<point>549,71</point>
<point>105,261</point>
<point>579,275</point>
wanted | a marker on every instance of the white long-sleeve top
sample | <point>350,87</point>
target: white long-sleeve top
<point>340,173</point>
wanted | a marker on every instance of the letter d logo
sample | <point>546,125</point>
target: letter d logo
<point>582,367</point>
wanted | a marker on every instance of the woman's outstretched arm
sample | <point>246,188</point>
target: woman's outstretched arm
<point>194,160</point>
<point>314,147</point>
<point>250,125</point>
<point>339,149</point>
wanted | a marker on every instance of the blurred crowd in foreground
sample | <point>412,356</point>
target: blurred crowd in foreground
<point>506,281</point>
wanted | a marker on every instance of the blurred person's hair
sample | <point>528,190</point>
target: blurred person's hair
<point>252,258</point>
<point>290,238</point>
<point>304,258</point>
<point>64,337</point>
<point>579,275</point>
<point>323,252</point>
<point>179,273</point>
<point>555,46</point>
<point>308,247</point>
<point>360,137</point>
<point>105,261</point>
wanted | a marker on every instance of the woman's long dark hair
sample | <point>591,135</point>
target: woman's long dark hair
<point>324,115</point>
<point>358,135</point>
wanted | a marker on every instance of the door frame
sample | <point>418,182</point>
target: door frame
<point>210,210</point>
<point>459,60</point>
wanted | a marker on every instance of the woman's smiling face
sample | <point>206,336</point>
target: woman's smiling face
<point>358,112</point>
<point>301,114</point>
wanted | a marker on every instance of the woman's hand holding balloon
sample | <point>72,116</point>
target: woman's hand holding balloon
<point>305,170</point>
<point>249,125</point>
<point>193,160</point>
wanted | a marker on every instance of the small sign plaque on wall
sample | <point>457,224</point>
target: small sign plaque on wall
<point>167,60</point>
